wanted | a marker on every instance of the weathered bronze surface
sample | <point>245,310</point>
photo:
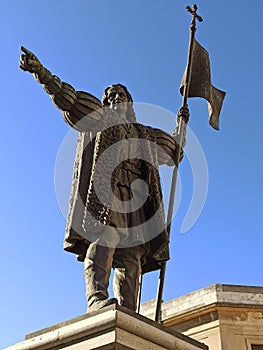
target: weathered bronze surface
<point>97,233</point>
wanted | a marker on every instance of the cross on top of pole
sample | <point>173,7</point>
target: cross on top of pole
<point>194,14</point>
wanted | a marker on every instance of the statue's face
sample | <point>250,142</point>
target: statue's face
<point>118,99</point>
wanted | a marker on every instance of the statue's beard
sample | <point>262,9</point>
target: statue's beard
<point>119,108</point>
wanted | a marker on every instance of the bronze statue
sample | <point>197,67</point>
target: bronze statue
<point>131,241</point>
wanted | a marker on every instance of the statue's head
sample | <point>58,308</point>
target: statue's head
<point>119,94</point>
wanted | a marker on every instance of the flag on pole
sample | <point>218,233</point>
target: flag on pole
<point>201,86</point>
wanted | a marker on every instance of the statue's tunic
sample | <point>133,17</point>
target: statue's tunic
<point>88,215</point>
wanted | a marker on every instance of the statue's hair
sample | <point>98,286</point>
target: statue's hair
<point>131,116</point>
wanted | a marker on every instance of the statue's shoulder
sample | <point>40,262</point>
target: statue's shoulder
<point>155,132</point>
<point>143,128</point>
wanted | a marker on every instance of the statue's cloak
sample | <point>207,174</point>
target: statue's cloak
<point>88,215</point>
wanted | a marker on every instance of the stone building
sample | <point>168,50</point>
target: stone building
<point>224,317</point>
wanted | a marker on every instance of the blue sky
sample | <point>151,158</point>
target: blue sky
<point>144,46</point>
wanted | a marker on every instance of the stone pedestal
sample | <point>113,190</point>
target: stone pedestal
<point>113,327</point>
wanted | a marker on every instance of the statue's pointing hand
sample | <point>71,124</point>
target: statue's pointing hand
<point>28,61</point>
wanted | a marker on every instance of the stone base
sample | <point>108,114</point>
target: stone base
<point>112,328</point>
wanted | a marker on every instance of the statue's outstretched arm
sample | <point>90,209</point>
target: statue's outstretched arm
<point>62,94</point>
<point>74,104</point>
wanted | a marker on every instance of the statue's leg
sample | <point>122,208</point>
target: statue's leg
<point>97,270</point>
<point>127,270</point>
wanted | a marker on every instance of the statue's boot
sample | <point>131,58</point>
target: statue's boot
<point>97,269</point>
<point>127,270</point>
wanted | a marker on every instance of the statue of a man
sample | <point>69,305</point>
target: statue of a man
<point>114,232</point>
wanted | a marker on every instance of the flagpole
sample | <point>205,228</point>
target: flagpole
<point>181,131</point>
